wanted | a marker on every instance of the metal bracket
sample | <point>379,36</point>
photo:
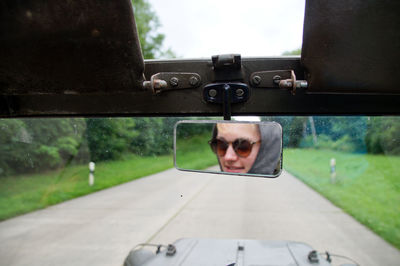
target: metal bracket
<point>226,94</point>
<point>284,79</point>
<point>227,61</point>
<point>165,81</point>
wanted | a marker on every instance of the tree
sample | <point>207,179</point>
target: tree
<point>293,52</point>
<point>147,24</point>
<point>383,135</point>
<point>33,145</point>
<point>109,138</point>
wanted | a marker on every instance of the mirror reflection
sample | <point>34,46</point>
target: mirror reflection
<point>241,148</point>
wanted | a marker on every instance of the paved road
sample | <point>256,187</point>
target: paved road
<point>101,228</point>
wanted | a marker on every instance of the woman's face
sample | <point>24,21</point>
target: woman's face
<point>231,162</point>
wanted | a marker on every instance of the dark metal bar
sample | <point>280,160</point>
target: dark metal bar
<point>187,102</point>
<point>227,102</point>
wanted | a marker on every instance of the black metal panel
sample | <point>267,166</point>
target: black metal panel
<point>68,47</point>
<point>352,46</point>
<point>190,101</point>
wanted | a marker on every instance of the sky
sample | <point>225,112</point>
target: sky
<point>200,29</point>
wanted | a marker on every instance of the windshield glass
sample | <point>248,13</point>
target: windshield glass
<point>194,29</point>
<point>87,190</point>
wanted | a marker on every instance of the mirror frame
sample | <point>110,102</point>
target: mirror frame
<point>226,121</point>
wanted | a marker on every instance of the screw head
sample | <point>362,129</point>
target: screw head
<point>239,92</point>
<point>256,80</point>
<point>212,93</point>
<point>276,79</point>
<point>174,81</point>
<point>193,81</point>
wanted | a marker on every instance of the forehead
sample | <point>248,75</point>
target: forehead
<point>238,130</point>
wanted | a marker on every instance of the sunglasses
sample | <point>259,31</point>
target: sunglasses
<point>242,147</point>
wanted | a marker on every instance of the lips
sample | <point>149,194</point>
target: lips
<point>234,169</point>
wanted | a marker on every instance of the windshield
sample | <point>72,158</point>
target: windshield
<point>87,190</point>
<point>200,29</point>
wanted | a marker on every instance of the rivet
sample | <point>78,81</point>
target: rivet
<point>174,81</point>
<point>239,92</point>
<point>193,81</point>
<point>276,79</point>
<point>212,93</point>
<point>256,80</point>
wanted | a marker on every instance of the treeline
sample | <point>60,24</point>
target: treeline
<point>35,145</point>
<point>29,145</point>
<point>376,135</point>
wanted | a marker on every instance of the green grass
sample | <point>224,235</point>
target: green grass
<point>367,186</point>
<point>25,193</point>
<point>194,153</point>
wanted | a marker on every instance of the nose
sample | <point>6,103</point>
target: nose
<point>230,154</point>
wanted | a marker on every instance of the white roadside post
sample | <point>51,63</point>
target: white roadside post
<point>91,173</point>
<point>333,171</point>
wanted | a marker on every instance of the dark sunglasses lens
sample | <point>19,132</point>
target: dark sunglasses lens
<point>222,146</point>
<point>219,147</point>
<point>242,147</point>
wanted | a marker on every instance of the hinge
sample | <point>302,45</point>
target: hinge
<point>227,61</point>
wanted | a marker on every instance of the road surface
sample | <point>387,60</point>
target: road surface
<point>101,228</point>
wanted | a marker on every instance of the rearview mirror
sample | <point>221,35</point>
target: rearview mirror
<point>228,147</point>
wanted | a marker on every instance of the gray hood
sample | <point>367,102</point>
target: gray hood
<point>270,151</point>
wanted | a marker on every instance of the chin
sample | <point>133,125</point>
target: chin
<point>235,170</point>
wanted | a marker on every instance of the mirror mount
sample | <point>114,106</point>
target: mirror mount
<point>226,105</point>
<point>226,94</point>
<point>228,86</point>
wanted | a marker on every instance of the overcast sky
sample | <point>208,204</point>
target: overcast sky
<point>249,27</point>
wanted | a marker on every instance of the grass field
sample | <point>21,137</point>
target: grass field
<point>22,194</point>
<point>25,193</point>
<point>195,153</point>
<point>367,186</point>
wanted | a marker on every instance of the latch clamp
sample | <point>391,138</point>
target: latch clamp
<point>284,79</point>
<point>165,81</point>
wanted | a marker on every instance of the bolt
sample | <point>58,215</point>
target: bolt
<point>193,81</point>
<point>174,81</point>
<point>212,93</point>
<point>239,92</point>
<point>286,84</point>
<point>302,84</point>
<point>147,85</point>
<point>276,79</point>
<point>256,80</point>
<point>159,84</point>
<point>156,86</point>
